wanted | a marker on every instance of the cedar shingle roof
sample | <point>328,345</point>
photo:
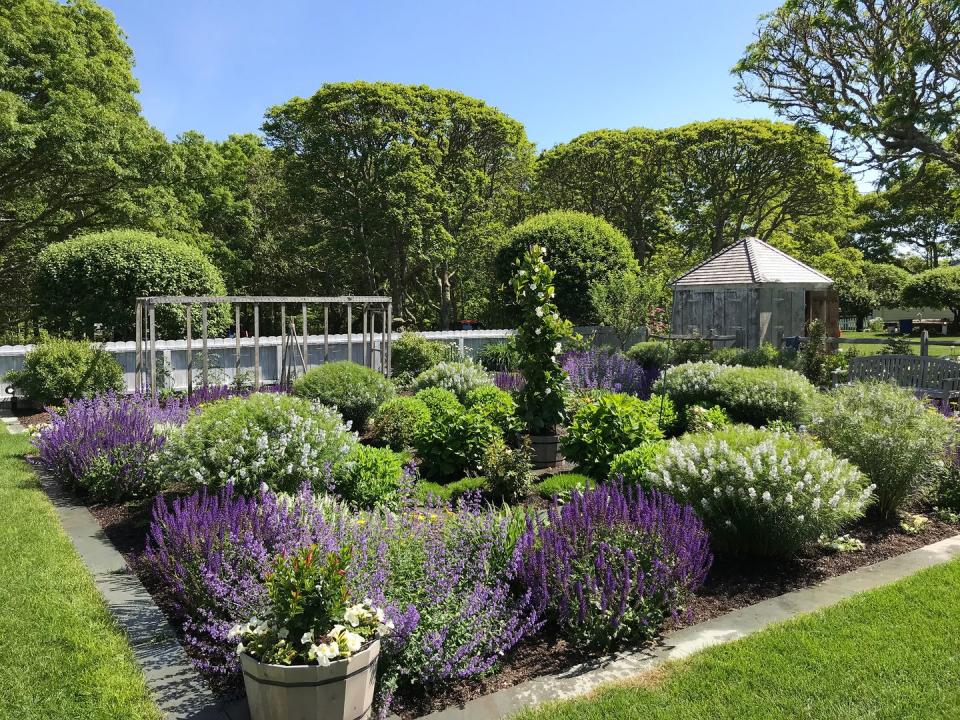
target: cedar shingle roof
<point>751,261</point>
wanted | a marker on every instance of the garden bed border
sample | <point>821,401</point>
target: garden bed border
<point>181,694</point>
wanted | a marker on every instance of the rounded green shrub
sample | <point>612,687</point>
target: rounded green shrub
<point>96,278</point>
<point>269,438</point>
<point>633,465</point>
<point>749,395</point>
<point>496,405</point>
<point>356,391</point>
<point>760,492</point>
<point>582,249</point>
<point>562,484</point>
<point>896,439</point>
<point>396,422</point>
<point>610,424</point>
<point>508,471</point>
<point>700,419</point>
<point>58,370</point>
<point>370,476</point>
<point>650,354</point>
<point>412,353</point>
<point>455,439</point>
<point>458,377</point>
<point>450,492</point>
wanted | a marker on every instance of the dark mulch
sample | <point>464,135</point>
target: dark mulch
<point>732,584</point>
<point>30,416</point>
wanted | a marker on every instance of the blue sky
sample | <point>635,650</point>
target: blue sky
<point>561,67</point>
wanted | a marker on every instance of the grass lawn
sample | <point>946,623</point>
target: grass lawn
<point>61,655</point>
<point>871,349</point>
<point>890,653</point>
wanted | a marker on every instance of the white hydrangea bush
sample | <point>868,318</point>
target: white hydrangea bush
<point>457,377</point>
<point>276,440</point>
<point>761,492</point>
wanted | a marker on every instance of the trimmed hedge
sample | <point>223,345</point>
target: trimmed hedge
<point>96,278</point>
<point>356,391</point>
<point>582,249</point>
<point>58,370</point>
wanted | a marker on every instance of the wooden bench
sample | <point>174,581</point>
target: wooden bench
<point>934,377</point>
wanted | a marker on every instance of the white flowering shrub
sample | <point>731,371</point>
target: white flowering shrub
<point>762,492</point>
<point>754,395</point>
<point>457,377</point>
<point>278,440</point>
<point>896,439</point>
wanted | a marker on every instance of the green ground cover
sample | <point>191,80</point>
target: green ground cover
<point>889,653</point>
<point>61,654</point>
<point>871,349</point>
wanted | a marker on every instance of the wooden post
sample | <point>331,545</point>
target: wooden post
<point>366,312</point>
<point>138,362</point>
<point>236,334</point>
<point>153,349</point>
<point>256,346</point>
<point>189,319</point>
<point>924,342</point>
<point>389,339</point>
<point>383,340</point>
<point>281,371</point>
<point>350,331</point>
<point>326,333</point>
<point>206,355</point>
<point>306,346</point>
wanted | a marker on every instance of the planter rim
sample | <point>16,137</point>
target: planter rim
<point>363,648</point>
<point>310,675</point>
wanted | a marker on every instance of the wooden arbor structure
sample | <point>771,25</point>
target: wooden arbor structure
<point>294,345</point>
<point>754,292</point>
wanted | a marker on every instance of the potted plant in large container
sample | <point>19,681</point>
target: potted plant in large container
<point>314,655</point>
<point>539,342</point>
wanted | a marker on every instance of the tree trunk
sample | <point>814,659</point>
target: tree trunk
<point>860,323</point>
<point>443,279</point>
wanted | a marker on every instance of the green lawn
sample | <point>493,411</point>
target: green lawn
<point>61,655</point>
<point>871,349</point>
<point>890,653</point>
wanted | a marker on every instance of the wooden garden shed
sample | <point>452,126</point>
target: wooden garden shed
<point>754,292</point>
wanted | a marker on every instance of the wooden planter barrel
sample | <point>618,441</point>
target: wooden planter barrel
<point>546,451</point>
<point>342,690</point>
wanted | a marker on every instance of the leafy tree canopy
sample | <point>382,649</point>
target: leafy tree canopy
<point>881,72</point>
<point>936,288</point>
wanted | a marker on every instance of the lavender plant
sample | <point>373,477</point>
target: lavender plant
<point>612,564</point>
<point>102,446</point>
<point>600,370</point>
<point>208,555</point>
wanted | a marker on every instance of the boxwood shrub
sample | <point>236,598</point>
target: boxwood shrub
<point>496,405</point>
<point>370,476</point>
<point>356,391</point>
<point>412,353</point>
<point>58,370</point>
<point>762,492</point>
<point>396,422</point>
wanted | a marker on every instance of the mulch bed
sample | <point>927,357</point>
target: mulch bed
<point>28,417</point>
<point>732,584</point>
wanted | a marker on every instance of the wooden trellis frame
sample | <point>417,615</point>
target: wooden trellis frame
<point>371,307</point>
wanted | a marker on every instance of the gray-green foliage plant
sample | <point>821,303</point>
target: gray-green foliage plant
<point>896,439</point>
<point>58,370</point>
<point>458,377</point>
<point>761,492</point>
<point>96,278</point>
<point>507,470</point>
<point>356,391</point>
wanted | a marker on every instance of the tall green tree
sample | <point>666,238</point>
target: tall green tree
<point>883,73</point>
<point>397,187</point>
<point>75,154</point>
<point>622,176</point>
<point>754,177</point>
